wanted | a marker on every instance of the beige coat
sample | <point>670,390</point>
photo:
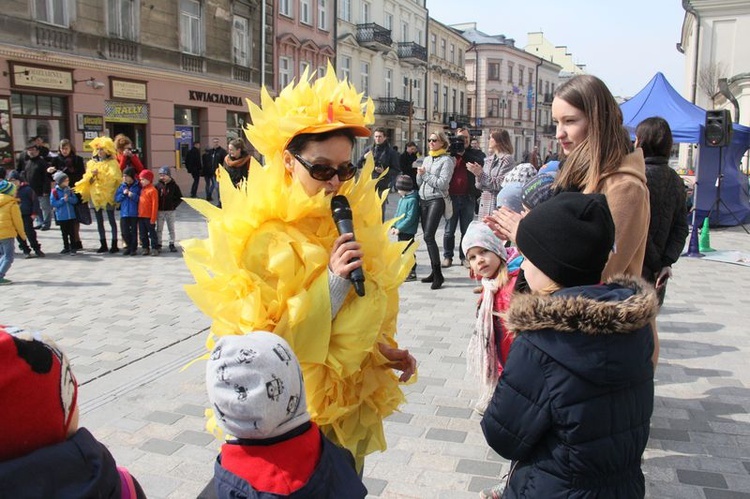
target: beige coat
<point>627,196</point>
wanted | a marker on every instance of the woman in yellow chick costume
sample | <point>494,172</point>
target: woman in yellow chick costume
<point>273,260</point>
<point>98,187</point>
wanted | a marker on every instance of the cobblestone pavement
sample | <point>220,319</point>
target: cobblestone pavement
<point>129,330</point>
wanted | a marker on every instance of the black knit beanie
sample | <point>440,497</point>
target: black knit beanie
<point>569,237</point>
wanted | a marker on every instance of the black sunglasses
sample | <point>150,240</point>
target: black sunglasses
<point>325,172</point>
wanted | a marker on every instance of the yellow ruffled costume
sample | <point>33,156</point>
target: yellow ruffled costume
<point>99,190</point>
<point>264,267</point>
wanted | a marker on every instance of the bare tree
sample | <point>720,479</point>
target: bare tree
<point>708,78</point>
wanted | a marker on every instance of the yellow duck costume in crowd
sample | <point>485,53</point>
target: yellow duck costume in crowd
<point>265,264</point>
<point>99,189</point>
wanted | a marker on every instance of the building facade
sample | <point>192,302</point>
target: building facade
<point>304,39</point>
<point>380,48</point>
<point>446,79</point>
<point>558,54</point>
<point>506,88</point>
<point>166,74</point>
<point>716,43</point>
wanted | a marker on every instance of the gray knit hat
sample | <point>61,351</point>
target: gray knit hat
<point>59,177</point>
<point>255,386</point>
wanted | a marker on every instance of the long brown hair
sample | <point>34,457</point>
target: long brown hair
<point>605,146</point>
<point>502,141</point>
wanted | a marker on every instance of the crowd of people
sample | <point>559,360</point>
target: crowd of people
<point>301,367</point>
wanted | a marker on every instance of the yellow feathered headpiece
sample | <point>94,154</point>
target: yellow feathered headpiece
<point>104,143</point>
<point>327,104</point>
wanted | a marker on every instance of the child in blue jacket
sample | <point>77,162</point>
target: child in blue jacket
<point>63,201</point>
<point>128,195</point>
<point>408,206</point>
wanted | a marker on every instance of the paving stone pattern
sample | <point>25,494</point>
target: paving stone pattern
<point>130,331</point>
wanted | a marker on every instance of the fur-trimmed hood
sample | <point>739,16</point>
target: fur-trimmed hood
<point>597,322</point>
<point>622,305</point>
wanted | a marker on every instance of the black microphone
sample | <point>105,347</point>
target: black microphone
<point>342,215</point>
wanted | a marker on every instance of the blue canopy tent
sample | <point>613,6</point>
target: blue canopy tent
<point>659,98</point>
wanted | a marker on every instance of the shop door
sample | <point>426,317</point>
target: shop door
<point>135,132</point>
<point>183,141</point>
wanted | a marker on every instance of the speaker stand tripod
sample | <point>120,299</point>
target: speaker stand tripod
<point>718,202</point>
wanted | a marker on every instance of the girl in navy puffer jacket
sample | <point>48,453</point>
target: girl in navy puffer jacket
<point>573,407</point>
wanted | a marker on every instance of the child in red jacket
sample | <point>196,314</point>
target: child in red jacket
<point>498,268</point>
<point>148,211</point>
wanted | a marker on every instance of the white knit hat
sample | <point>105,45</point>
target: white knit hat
<point>255,386</point>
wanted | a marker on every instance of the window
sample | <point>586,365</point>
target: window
<point>285,8</point>
<point>418,38</point>
<point>453,54</point>
<point>442,48</point>
<point>510,72</point>
<point>304,66</point>
<point>469,103</point>
<point>235,125</point>
<point>52,12</point>
<point>322,15</point>
<point>345,13</point>
<point>38,115</point>
<point>285,71</point>
<point>405,32</point>
<point>461,103</point>
<point>436,97</point>
<point>445,98</point>
<point>405,88</point>
<point>433,44</point>
<point>520,110</point>
<point>520,76</point>
<point>365,87</point>
<point>305,16</point>
<point>191,37</point>
<point>460,57</point>
<point>493,70</point>
<point>388,21</point>
<point>493,107</point>
<point>453,100</point>
<point>417,95</point>
<point>121,21</point>
<point>321,71</point>
<point>388,82</point>
<point>365,12</point>
<point>241,41</point>
<point>346,68</point>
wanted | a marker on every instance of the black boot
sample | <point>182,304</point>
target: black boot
<point>429,278</point>
<point>103,248</point>
<point>114,248</point>
<point>437,280</point>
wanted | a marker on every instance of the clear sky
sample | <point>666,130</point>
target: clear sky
<point>623,43</point>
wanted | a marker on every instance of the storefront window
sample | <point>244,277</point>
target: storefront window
<point>38,115</point>
<point>236,125</point>
<point>187,130</point>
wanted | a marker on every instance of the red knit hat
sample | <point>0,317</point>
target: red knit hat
<point>38,393</point>
<point>147,174</point>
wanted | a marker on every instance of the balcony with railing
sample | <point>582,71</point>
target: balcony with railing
<point>374,36</point>
<point>412,52</point>
<point>192,63</point>
<point>392,106</point>
<point>122,50</point>
<point>241,73</point>
<point>548,98</point>
<point>459,119</point>
<point>53,38</point>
